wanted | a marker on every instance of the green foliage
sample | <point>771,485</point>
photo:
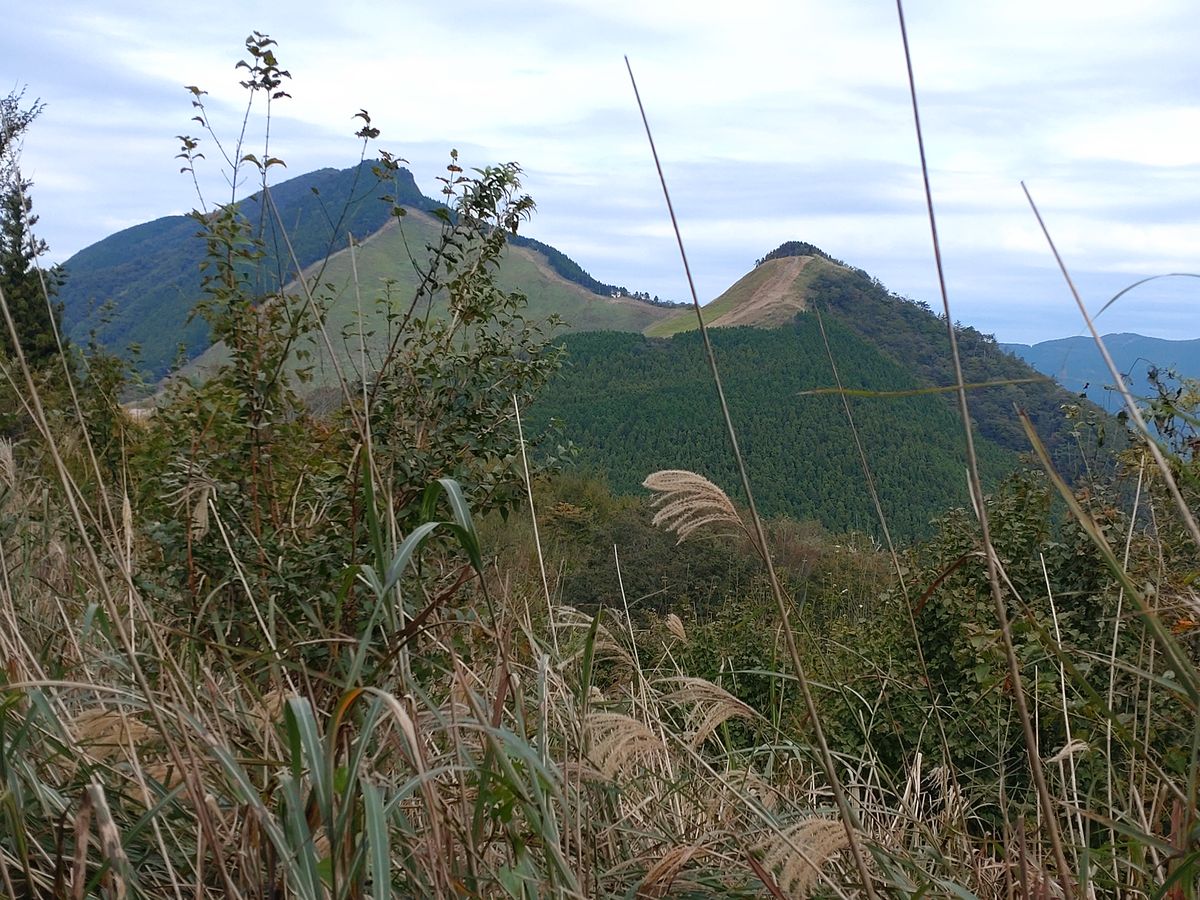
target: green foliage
<point>24,284</point>
<point>911,335</point>
<point>1062,604</point>
<point>237,466</point>
<point>634,405</point>
<point>28,289</point>
<point>915,339</point>
<point>443,400</point>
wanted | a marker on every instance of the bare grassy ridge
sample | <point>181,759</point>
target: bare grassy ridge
<point>382,271</point>
<point>768,295</point>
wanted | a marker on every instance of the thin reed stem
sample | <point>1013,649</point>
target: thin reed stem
<point>537,538</point>
<point>1014,668</point>
<point>849,818</point>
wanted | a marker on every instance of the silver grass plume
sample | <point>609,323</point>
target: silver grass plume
<point>709,705</point>
<point>618,742</point>
<point>689,501</point>
<point>797,873</point>
<point>8,467</point>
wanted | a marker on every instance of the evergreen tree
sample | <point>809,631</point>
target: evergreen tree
<point>21,283</point>
<point>28,292</point>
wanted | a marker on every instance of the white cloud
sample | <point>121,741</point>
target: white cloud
<point>774,121</point>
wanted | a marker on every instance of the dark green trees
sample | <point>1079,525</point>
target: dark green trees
<point>27,291</point>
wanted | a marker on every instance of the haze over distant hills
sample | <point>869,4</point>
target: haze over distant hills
<point>1077,365</point>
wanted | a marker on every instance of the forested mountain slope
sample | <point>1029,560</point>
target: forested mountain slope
<point>633,404</point>
<point>798,278</point>
<point>139,286</point>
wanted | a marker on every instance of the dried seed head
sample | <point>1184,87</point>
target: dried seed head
<point>798,870</point>
<point>688,501</point>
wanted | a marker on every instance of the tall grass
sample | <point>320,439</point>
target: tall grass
<point>334,689</point>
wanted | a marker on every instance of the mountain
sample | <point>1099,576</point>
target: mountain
<point>635,396</point>
<point>633,404</point>
<point>139,286</point>
<point>383,274</point>
<point>797,279</point>
<point>1077,365</point>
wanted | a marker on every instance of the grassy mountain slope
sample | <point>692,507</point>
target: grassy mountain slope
<point>769,294</point>
<point>382,279</point>
<point>150,274</point>
<point>150,277</point>
<point>1076,364</point>
<point>634,404</point>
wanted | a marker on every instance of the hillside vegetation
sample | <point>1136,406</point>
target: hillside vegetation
<point>366,295</point>
<point>141,286</point>
<point>632,405</point>
<point>389,648</point>
<point>797,277</point>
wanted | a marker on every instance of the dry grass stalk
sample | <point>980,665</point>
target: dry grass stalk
<point>95,803</point>
<point>976,492</point>
<point>759,536</point>
<point>797,873</point>
<point>661,876</point>
<point>1069,751</point>
<point>194,493</point>
<point>617,742</point>
<point>689,501</point>
<point>710,704</point>
<point>675,626</point>
<point>739,788</point>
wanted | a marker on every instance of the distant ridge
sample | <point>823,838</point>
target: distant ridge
<point>140,285</point>
<point>1077,365</point>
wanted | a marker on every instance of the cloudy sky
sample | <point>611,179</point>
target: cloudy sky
<point>774,120</point>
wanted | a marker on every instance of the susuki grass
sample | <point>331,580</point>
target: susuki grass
<point>247,652</point>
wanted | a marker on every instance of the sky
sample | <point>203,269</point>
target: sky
<point>774,121</point>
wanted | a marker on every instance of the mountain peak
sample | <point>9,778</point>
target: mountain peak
<point>790,249</point>
<point>769,295</point>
